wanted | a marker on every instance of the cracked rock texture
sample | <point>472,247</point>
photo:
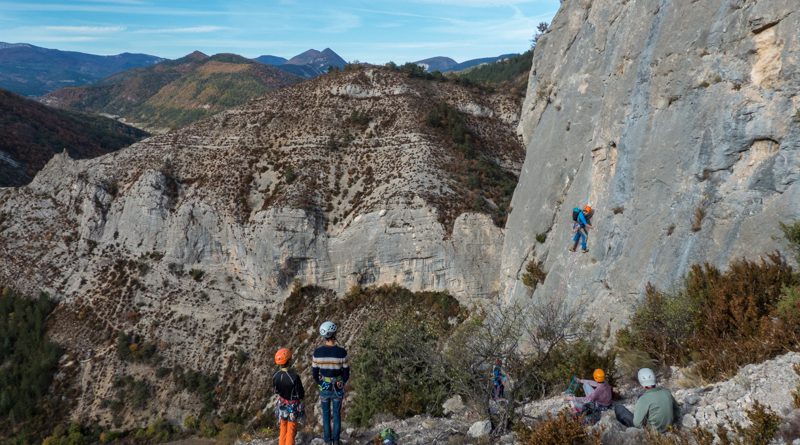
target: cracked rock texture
<point>679,121</point>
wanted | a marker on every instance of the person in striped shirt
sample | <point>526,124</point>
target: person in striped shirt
<point>331,372</point>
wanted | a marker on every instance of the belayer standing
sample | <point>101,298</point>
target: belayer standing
<point>331,372</point>
<point>289,387</point>
<point>499,379</point>
<point>582,221</point>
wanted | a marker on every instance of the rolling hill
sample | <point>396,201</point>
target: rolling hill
<point>33,71</point>
<point>33,133</point>
<point>175,93</point>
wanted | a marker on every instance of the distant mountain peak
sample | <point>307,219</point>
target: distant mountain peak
<point>196,55</point>
<point>318,59</point>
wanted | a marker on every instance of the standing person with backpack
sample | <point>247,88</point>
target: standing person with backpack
<point>331,372</point>
<point>289,388</point>
<point>582,221</point>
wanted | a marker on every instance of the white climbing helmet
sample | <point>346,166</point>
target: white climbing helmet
<point>647,377</point>
<point>327,329</point>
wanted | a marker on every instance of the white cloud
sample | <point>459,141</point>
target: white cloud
<point>184,30</point>
<point>342,22</point>
<point>86,29</point>
<point>61,39</point>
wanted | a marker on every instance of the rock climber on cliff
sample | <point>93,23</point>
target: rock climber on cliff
<point>582,221</point>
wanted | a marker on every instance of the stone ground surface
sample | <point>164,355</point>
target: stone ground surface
<point>770,383</point>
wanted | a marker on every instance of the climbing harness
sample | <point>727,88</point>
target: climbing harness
<point>329,384</point>
<point>290,410</point>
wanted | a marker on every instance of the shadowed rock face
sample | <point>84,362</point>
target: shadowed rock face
<point>657,113</point>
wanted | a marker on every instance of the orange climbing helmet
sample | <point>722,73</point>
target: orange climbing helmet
<point>283,356</point>
<point>587,209</point>
<point>599,375</point>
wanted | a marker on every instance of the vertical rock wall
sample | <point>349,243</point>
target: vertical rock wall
<point>657,112</point>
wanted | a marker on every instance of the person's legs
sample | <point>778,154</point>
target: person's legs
<point>291,430</point>
<point>623,415</point>
<point>575,240</point>
<point>326,418</point>
<point>284,430</point>
<point>583,239</point>
<point>337,419</point>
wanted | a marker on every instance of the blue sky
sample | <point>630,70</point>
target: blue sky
<point>373,31</point>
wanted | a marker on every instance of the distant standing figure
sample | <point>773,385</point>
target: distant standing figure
<point>499,379</point>
<point>289,388</point>
<point>331,372</point>
<point>582,221</point>
<point>656,407</point>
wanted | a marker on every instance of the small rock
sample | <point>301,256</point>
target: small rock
<point>689,421</point>
<point>317,441</point>
<point>692,399</point>
<point>349,431</point>
<point>480,429</point>
<point>453,405</point>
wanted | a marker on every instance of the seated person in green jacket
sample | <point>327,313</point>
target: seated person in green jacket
<point>656,407</point>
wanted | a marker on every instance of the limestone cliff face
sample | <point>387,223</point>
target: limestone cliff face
<point>657,112</point>
<point>193,239</point>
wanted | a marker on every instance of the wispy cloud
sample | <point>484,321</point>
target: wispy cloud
<point>342,22</point>
<point>61,39</point>
<point>137,9</point>
<point>184,30</point>
<point>86,29</point>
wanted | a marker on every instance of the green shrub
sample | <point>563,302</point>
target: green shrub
<point>541,237</point>
<point>398,369</point>
<point>560,429</point>
<point>197,274</point>
<point>29,360</point>
<point>719,320</point>
<point>203,385</point>
<point>792,234</point>
<point>534,274</point>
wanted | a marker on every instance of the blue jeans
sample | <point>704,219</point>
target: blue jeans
<point>328,398</point>
<point>580,235</point>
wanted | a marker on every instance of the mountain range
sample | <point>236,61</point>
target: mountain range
<point>308,64</point>
<point>32,71</point>
<point>175,93</point>
<point>446,64</point>
<point>33,133</point>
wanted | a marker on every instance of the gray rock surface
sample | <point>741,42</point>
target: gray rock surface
<point>480,428</point>
<point>653,111</point>
<point>770,383</point>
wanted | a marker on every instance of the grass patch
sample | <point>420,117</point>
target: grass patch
<point>697,222</point>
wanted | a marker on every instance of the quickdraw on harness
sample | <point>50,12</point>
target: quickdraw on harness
<point>290,410</point>
<point>328,383</point>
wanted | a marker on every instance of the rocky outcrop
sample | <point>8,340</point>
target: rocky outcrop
<point>192,240</point>
<point>679,122</point>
